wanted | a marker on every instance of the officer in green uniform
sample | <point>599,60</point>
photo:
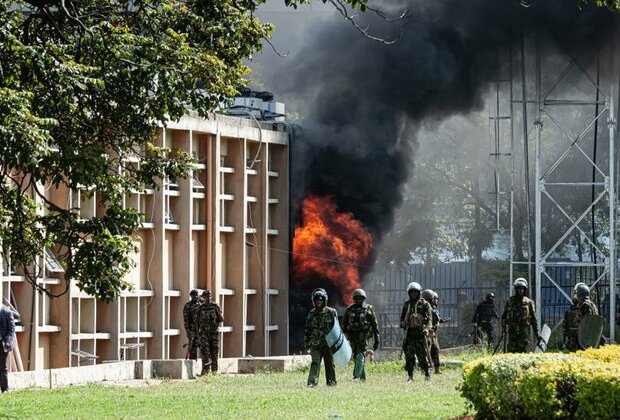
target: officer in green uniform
<point>433,340</point>
<point>319,323</point>
<point>190,311</point>
<point>519,315</point>
<point>582,306</point>
<point>416,319</point>
<point>207,322</point>
<point>360,322</point>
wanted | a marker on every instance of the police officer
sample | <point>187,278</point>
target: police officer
<point>416,318</point>
<point>190,310</point>
<point>582,306</point>
<point>319,323</point>
<point>484,315</point>
<point>518,316</point>
<point>433,340</point>
<point>360,321</point>
<point>207,322</point>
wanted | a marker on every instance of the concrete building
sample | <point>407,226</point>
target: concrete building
<point>226,228</point>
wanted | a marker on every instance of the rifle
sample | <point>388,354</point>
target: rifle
<point>477,334</point>
<point>428,350</point>
<point>402,347</point>
<point>503,337</point>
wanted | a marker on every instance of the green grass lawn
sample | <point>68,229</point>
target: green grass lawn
<point>264,395</point>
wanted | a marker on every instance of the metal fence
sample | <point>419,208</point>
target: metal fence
<point>461,287</point>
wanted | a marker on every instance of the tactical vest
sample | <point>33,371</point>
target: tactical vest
<point>414,318</point>
<point>358,318</point>
<point>208,315</point>
<point>519,312</point>
<point>486,312</point>
<point>573,317</point>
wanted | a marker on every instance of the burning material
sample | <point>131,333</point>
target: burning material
<point>330,245</point>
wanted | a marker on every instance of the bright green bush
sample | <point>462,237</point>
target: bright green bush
<point>550,385</point>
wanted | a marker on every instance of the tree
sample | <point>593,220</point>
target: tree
<point>83,85</point>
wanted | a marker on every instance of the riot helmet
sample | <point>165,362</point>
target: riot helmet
<point>359,293</point>
<point>194,292</point>
<point>490,296</point>
<point>428,295</point>
<point>206,293</point>
<point>414,286</point>
<point>520,282</point>
<point>319,294</point>
<point>582,291</point>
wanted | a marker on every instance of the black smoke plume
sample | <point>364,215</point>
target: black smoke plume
<point>361,100</point>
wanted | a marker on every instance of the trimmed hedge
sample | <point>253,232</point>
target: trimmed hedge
<point>545,385</point>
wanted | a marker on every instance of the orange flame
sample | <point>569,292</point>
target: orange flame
<point>330,244</point>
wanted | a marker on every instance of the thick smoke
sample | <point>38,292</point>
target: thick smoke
<point>361,101</point>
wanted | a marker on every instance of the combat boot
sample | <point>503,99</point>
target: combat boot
<point>437,372</point>
<point>410,376</point>
<point>427,375</point>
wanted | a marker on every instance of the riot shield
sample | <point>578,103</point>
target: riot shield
<point>541,345</point>
<point>590,330</point>
<point>339,345</point>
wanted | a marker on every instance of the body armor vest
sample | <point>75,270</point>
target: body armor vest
<point>519,312</point>
<point>208,315</point>
<point>358,318</point>
<point>487,312</point>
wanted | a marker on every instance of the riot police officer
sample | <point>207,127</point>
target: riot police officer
<point>360,322</point>
<point>518,317</point>
<point>416,319</point>
<point>582,306</point>
<point>190,311</point>
<point>484,315</point>
<point>319,323</point>
<point>208,321</point>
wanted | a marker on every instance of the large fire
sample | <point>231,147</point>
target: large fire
<point>330,244</point>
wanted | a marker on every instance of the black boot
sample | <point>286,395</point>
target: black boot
<point>427,375</point>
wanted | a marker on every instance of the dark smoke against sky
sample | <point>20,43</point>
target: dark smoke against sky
<point>361,100</point>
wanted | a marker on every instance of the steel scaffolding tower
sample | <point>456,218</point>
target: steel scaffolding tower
<point>568,105</point>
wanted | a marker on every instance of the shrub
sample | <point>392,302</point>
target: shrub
<point>545,385</point>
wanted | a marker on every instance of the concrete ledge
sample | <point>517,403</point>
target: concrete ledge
<point>275,364</point>
<point>175,369</point>
<point>147,369</point>
<point>118,371</point>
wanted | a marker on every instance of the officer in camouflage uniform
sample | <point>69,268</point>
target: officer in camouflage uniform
<point>207,322</point>
<point>416,318</point>
<point>190,310</point>
<point>319,323</point>
<point>519,315</point>
<point>484,315</point>
<point>360,321</point>
<point>433,340</point>
<point>582,306</point>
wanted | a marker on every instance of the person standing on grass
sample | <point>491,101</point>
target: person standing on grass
<point>190,311</point>
<point>433,298</point>
<point>518,317</point>
<point>319,323</point>
<point>484,315</point>
<point>7,334</point>
<point>416,319</point>
<point>582,306</point>
<point>208,321</point>
<point>360,322</point>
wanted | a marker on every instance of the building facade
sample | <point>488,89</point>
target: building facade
<point>225,228</point>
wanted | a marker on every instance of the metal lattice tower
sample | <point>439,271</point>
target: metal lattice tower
<point>573,107</point>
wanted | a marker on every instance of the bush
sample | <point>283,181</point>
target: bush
<point>552,385</point>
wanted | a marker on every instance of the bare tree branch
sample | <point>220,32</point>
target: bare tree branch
<point>273,47</point>
<point>341,8</point>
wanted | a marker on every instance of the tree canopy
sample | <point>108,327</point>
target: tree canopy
<point>83,86</point>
